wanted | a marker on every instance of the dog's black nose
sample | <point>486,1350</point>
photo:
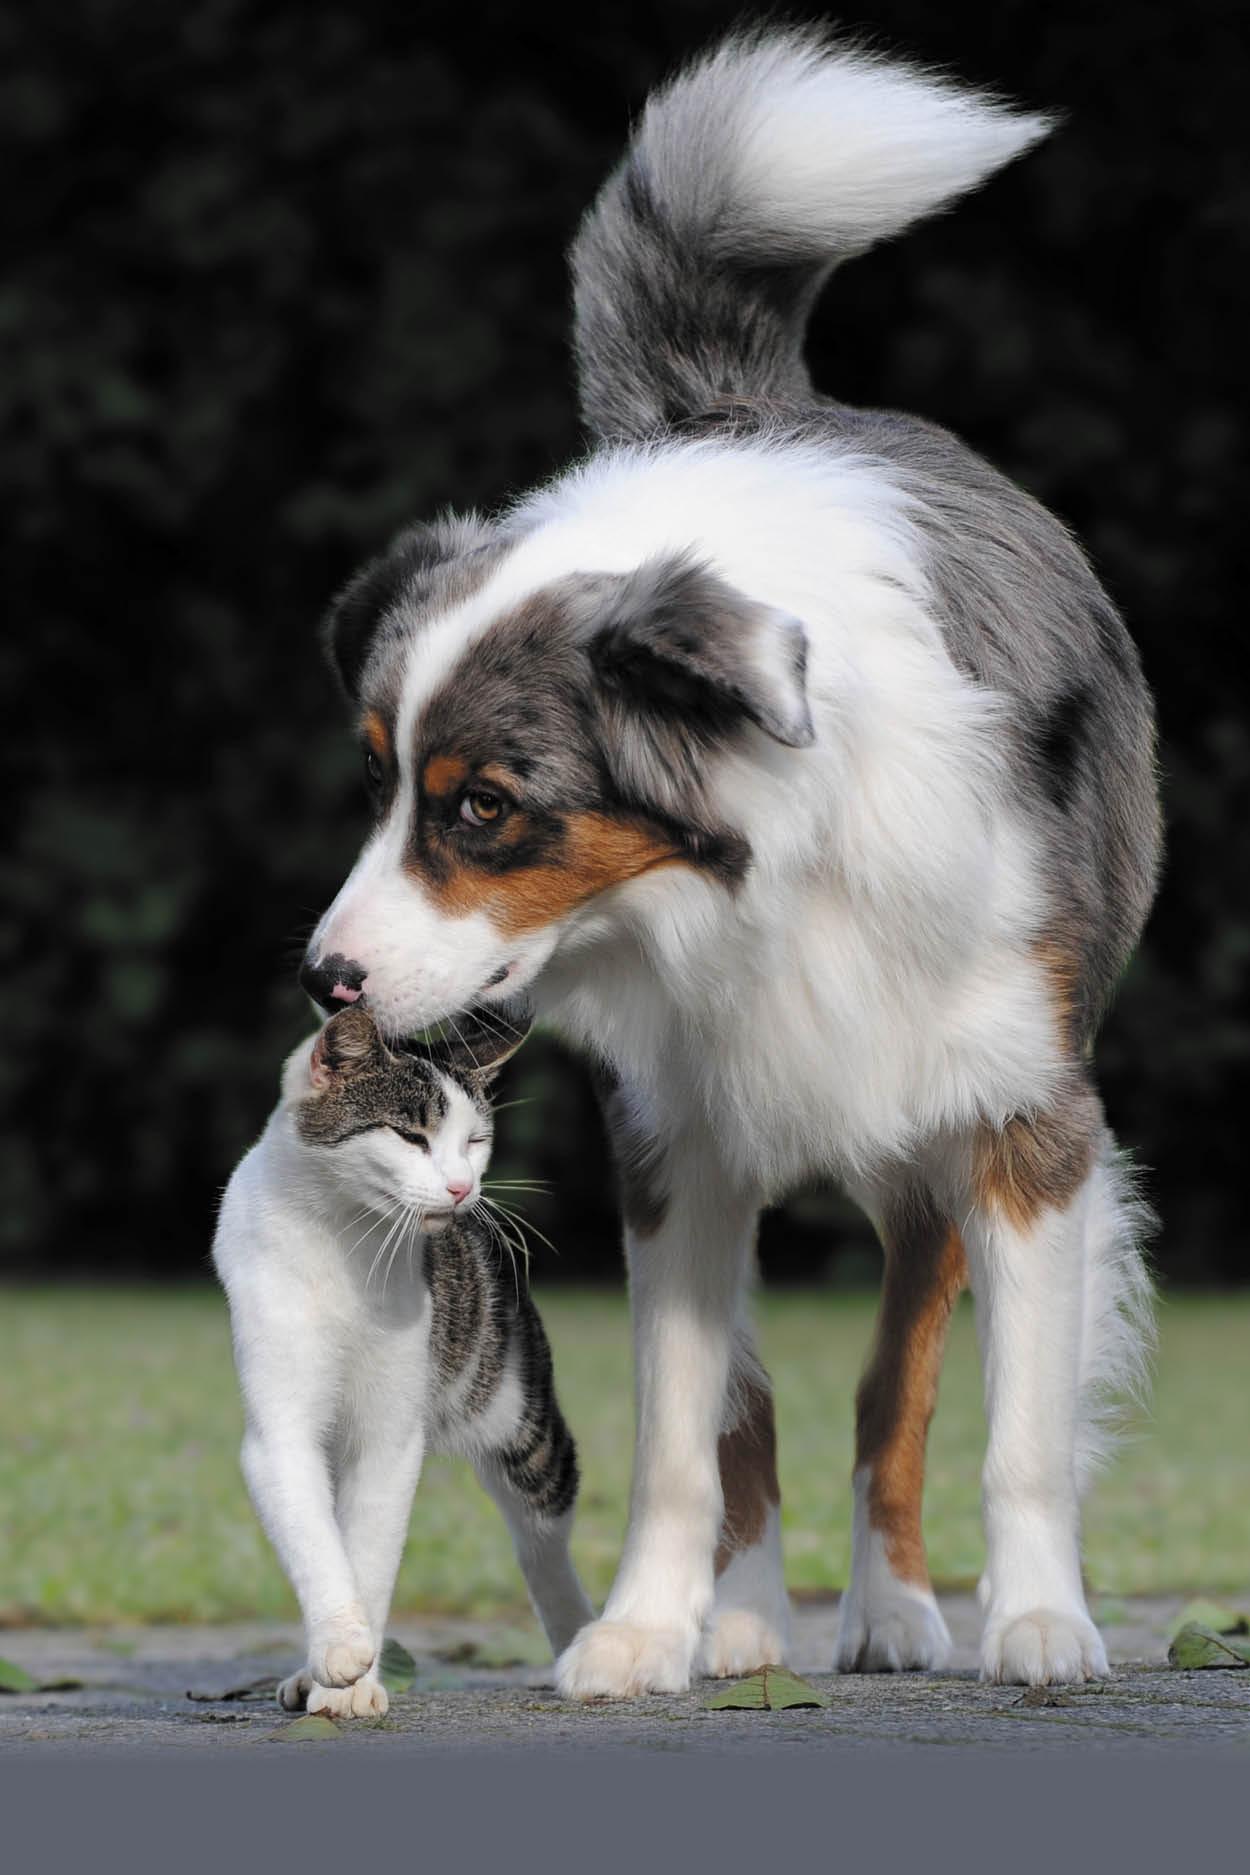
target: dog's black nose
<point>333,982</point>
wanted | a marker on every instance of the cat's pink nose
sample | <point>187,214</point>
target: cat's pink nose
<point>458,1189</point>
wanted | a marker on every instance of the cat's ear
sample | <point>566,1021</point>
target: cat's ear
<point>348,1044</point>
<point>483,1039</point>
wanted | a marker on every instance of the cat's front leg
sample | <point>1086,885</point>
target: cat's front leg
<point>288,1475</point>
<point>375,1492</point>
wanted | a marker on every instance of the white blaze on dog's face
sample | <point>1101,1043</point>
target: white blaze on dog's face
<point>527,755</point>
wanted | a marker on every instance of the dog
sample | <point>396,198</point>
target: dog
<point>796,764</point>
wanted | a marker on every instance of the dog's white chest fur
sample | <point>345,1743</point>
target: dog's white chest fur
<point>873,980</point>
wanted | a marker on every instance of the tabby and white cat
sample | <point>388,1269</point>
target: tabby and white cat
<point>374,1318</point>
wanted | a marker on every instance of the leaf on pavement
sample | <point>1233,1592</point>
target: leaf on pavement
<point>306,1731</point>
<point>396,1667</point>
<point>15,1679</point>
<point>1205,1614</point>
<point>1197,1646</point>
<point>772,1689</point>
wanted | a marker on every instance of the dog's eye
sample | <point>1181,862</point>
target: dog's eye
<point>479,807</point>
<point>375,774</point>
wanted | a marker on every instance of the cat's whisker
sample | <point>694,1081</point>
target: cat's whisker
<point>525,1223</point>
<point>458,1032</point>
<point>394,1215</point>
<point>498,1241</point>
<point>508,1227</point>
<point>512,1244</point>
<point>364,1211</point>
<point>381,1218</point>
<point>404,1236</point>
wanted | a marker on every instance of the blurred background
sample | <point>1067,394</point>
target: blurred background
<point>279,278</point>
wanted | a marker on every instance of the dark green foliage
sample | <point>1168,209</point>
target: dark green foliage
<point>279,278</point>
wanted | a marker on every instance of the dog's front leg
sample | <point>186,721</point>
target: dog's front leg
<point>687,1261</point>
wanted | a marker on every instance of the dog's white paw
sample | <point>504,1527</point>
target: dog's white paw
<point>341,1650</point>
<point>737,1641</point>
<point>366,1698</point>
<point>620,1660</point>
<point>1045,1647</point>
<point>899,1629</point>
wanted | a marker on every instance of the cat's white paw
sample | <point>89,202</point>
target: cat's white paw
<point>895,1628</point>
<point>620,1660</point>
<point>737,1641</point>
<point>293,1693</point>
<point>366,1698</point>
<point>341,1650</point>
<point>1045,1647</point>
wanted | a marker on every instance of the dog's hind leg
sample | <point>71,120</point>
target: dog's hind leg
<point>750,1621</point>
<point>1062,1304</point>
<point>890,1621</point>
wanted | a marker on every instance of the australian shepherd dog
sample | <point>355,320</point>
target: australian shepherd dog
<point>799,769</point>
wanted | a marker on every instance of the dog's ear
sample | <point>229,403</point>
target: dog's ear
<point>347,1045</point>
<point>683,661</point>
<point>674,637</point>
<point>362,608</point>
<point>481,1040</point>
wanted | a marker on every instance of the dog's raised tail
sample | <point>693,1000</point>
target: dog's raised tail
<point>749,177</point>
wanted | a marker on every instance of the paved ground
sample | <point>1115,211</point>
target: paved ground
<point>135,1686</point>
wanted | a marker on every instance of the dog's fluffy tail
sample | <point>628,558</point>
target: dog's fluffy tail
<point>751,175</point>
<point>1117,1328</point>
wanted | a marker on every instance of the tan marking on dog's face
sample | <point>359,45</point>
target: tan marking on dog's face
<point>925,1271</point>
<point>374,729</point>
<point>747,1453</point>
<point>597,852</point>
<point>443,774</point>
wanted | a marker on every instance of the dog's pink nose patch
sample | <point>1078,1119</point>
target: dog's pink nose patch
<point>341,994</point>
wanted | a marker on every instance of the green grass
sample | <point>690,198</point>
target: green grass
<point>120,1495</point>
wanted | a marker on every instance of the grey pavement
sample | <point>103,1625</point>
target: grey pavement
<point>470,1692</point>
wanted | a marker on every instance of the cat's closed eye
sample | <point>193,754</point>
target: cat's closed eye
<point>413,1139</point>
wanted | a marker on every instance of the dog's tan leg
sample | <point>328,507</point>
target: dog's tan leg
<point>890,1620</point>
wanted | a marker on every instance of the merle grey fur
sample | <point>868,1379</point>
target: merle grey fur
<point>690,315</point>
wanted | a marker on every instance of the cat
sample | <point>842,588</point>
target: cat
<point>375,1317</point>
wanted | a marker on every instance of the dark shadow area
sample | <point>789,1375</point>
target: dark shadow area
<point>278,279</point>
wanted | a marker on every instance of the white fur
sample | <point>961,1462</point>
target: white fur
<point>825,150</point>
<point>686,1280</point>
<point>885,1625</point>
<point>872,986</point>
<point>750,1621</point>
<point>1029,1288</point>
<point>320,1255</point>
